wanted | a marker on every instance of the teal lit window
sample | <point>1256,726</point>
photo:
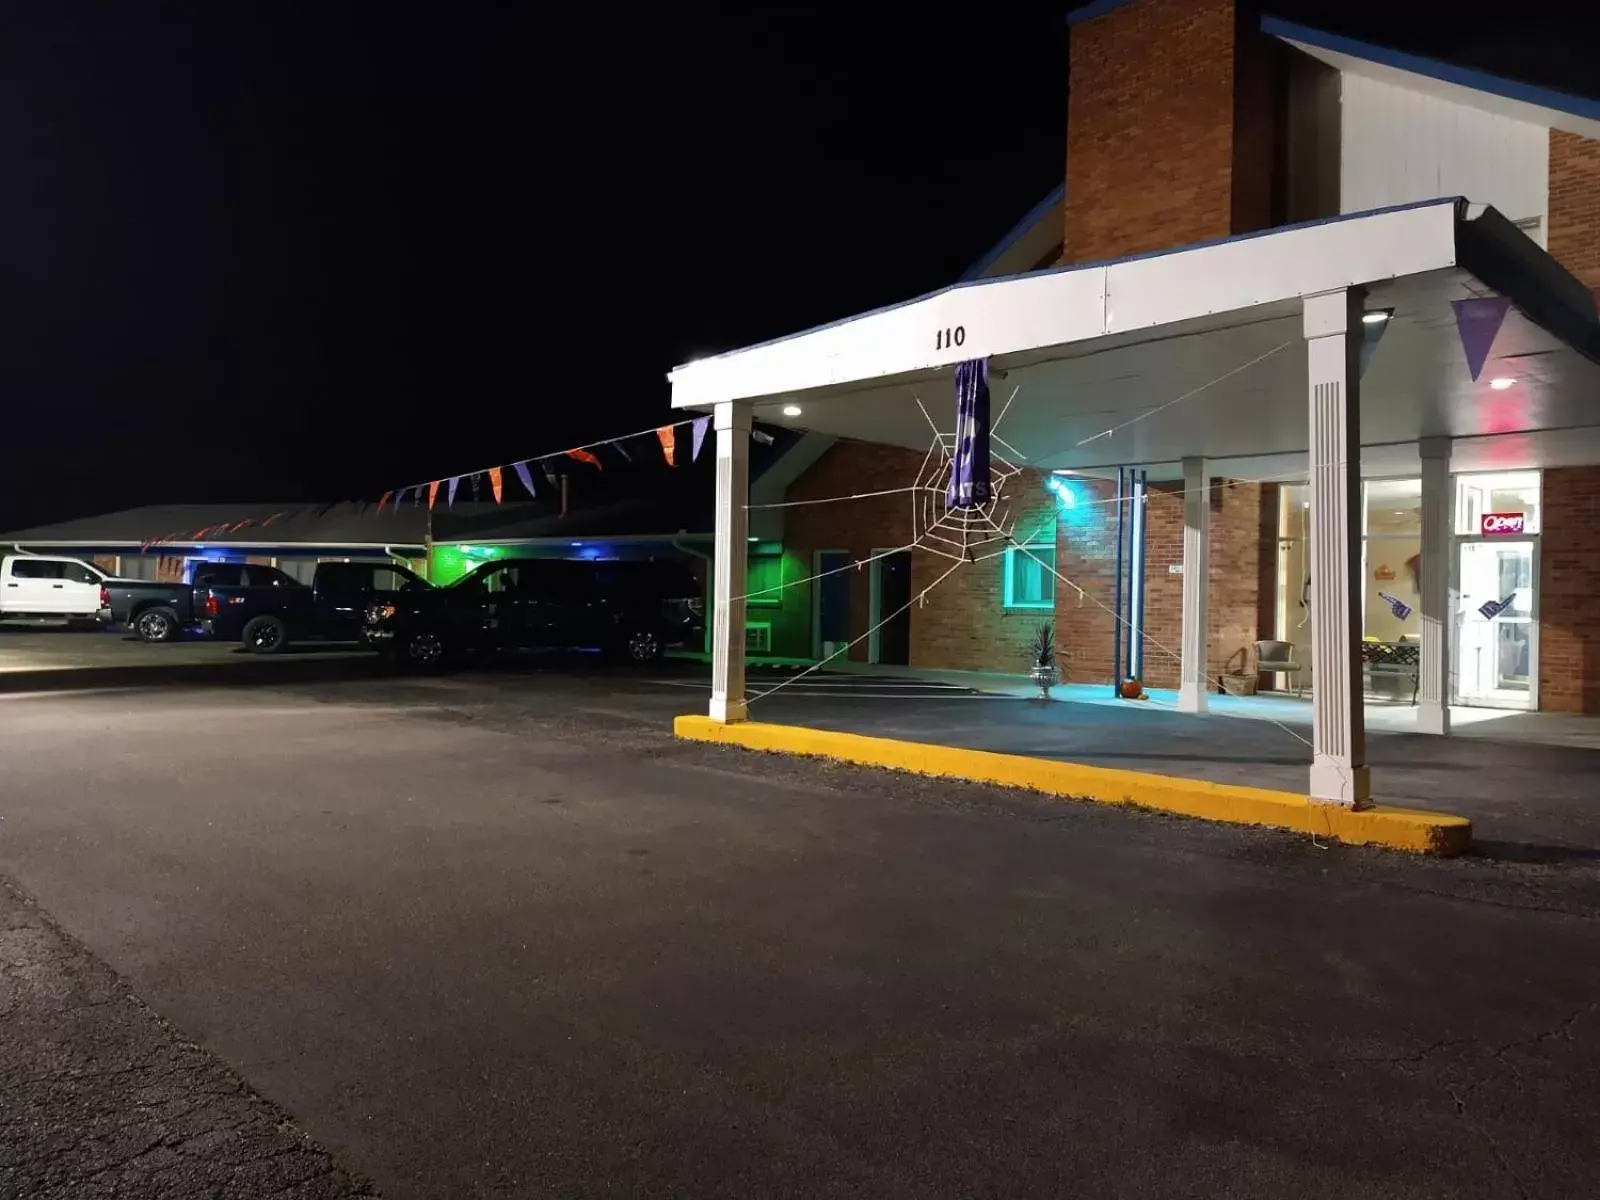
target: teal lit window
<point>766,578</point>
<point>1030,577</point>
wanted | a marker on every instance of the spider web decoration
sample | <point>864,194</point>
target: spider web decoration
<point>966,534</point>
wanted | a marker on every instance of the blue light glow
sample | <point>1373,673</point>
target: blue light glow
<point>1063,491</point>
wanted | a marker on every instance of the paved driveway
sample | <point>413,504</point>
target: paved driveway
<point>503,937</point>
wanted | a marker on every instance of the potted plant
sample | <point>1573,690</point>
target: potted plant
<point>1044,672</point>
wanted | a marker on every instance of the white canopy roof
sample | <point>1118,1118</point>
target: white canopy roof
<point>1145,360</point>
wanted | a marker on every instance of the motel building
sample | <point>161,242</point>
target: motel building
<point>1304,352</point>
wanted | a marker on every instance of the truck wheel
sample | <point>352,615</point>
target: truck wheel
<point>265,635</point>
<point>157,625</point>
<point>641,646</point>
<point>422,652</point>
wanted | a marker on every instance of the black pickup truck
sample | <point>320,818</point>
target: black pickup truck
<point>260,606</point>
<point>627,610</point>
<point>267,620</point>
<point>160,612</point>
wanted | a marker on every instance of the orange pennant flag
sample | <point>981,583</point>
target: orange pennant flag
<point>384,501</point>
<point>585,456</point>
<point>494,483</point>
<point>669,441</point>
<point>433,492</point>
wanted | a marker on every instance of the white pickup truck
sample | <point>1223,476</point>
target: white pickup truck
<point>39,586</point>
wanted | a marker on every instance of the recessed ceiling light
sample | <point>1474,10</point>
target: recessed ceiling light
<point>1374,318</point>
<point>1501,384</point>
<point>791,410</point>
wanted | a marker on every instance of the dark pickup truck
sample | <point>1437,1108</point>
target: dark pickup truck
<point>627,610</point>
<point>160,612</point>
<point>267,620</point>
<point>260,606</point>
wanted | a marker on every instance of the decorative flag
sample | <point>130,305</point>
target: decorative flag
<point>473,480</point>
<point>969,472</point>
<point>1478,321</point>
<point>400,498</point>
<point>494,483</point>
<point>384,499</point>
<point>701,424</point>
<point>623,450</point>
<point>521,469</point>
<point>585,456</point>
<point>1397,606</point>
<point>669,439</point>
<point>433,494</point>
<point>1493,608</point>
<point>450,490</point>
<point>550,475</point>
<point>277,516</point>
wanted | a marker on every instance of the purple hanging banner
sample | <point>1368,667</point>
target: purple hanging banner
<point>969,473</point>
<point>450,490</point>
<point>521,469</point>
<point>1478,321</point>
<point>701,424</point>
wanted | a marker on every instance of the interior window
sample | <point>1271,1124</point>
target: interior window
<point>78,573</point>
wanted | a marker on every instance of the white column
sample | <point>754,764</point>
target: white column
<point>1339,771</point>
<point>730,575</point>
<point>1194,680</point>
<point>1433,690</point>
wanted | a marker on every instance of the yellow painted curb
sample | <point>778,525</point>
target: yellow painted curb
<point>1396,828</point>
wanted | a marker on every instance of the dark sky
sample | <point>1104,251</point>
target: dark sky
<point>278,251</point>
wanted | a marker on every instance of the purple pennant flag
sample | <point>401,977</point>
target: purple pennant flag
<point>521,469</point>
<point>1493,608</point>
<point>1478,321</point>
<point>969,473</point>
<point>701,424</point>
<point>450,490</point>
<point>1397,606</point>
<point>400,498</point>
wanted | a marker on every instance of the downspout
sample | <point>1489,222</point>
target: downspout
<point>1136,579</point>
<point>1117,634</point>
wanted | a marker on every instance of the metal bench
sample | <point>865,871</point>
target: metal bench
<point>1393,659</point>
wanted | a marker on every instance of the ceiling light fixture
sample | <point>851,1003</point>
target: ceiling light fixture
<point>1501,384</point>
<point>1374,318</point>
<point>791,410</point>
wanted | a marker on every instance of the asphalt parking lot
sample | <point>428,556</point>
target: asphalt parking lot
<point>499,935</point>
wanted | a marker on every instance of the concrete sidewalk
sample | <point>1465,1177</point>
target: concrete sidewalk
<point>1525,800</point>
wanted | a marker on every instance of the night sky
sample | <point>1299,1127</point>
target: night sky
<point>285,251</point>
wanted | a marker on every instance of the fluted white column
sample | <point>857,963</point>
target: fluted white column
<point>730,574</point>
<point>1339,771</point>
<point>1193,678</point>
<point>1433,686</point>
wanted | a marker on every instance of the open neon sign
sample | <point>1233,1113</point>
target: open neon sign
<point>1501,524</point>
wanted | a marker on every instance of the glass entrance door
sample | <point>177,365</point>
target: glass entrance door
<point>1496,633</point>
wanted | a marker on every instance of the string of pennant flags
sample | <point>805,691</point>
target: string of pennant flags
<point>663,437</point>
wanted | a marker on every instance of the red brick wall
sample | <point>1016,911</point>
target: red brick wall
<point>1150,128</point>
<point>1569,591</point>
<point>1086,553</point>
<point>962,624</point>
<point>1574,236</point>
